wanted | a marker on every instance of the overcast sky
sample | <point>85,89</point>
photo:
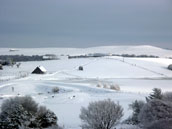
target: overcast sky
<point>85,23</point>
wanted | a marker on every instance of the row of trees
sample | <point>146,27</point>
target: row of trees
<point>133,55</point>
<point>24,113</point>
<point>18,58</point>
<point>9,59</point>
<point>154,113</point>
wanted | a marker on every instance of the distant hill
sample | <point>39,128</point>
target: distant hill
<point>137,50</point>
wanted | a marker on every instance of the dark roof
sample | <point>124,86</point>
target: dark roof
<point>39,70</point>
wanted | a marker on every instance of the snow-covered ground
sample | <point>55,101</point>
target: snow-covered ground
<point>135,76</point>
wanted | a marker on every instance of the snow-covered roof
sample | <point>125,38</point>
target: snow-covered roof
<point>42,69</point>
<point>11,50</point>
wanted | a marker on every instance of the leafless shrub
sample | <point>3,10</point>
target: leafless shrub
<point>55,90</point>
<point>99,85</point>
<point>40,93</point>
<point>105,86</point>
<point>115,87</point>
<point>103,114</point>
<point>26,102</point>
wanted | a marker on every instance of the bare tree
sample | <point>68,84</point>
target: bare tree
<point>103,114</point>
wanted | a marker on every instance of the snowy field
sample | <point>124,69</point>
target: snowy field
<point>136,78</point>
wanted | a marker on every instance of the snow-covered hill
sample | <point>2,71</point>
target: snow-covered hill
<point>138,50</point>
<point>136,78</point>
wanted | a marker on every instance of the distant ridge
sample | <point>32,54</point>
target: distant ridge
<point>137,50</point>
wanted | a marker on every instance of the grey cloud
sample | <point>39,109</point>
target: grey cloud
<point>83,23</point>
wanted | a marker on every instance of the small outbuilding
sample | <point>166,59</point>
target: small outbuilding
<point>80,68</point>
<point>39,70</point>
<point>170,67</point>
